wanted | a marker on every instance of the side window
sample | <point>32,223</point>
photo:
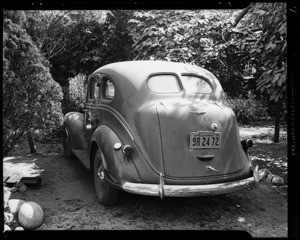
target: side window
<point>109,89</point>
<point>95,88</point>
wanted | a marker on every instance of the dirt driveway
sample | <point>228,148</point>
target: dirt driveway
<point>69,201</point>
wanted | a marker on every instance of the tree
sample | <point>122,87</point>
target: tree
<point>197,37</point>
<point>245,49</point>
<point>79,41</point>
<point>270,54</point>
<point>31,98</point>
<point>59,35</point>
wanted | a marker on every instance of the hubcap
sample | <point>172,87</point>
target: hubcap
<point>100,173</point>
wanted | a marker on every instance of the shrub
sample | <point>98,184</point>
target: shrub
<point>248,110</point>
<point>31,98</point>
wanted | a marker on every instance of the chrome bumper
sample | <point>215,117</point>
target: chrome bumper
<point>190,190</point>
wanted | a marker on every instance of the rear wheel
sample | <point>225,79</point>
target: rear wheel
<point>67,144</point>
<point>106,194</point>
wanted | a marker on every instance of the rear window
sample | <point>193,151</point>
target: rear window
<point>163,84</point>
<point>195,84</point>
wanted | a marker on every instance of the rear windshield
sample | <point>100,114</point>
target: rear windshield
<point>165,83</point>
<point>195,84</point>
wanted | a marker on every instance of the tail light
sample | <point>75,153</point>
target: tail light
<point>127,150</point>
<point>246,144</point>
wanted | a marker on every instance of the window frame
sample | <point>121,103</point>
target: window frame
<point>103,78</point>
<point>106,78</point>
<point>202,77</point>
<point>180,86</point>
<point>90,85</point>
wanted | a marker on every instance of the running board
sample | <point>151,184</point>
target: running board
<point>83,156</point>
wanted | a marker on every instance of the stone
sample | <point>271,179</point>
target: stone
<point>19,228</point>
<point>14,189</point>
<point>8,217</point>
<point>262,174</point>
<point>6,228</point>
<point>277,180</point>
<point>270,177</point>
<point>31,216</point>
<point>19,184</point>
<point>22,188</point>
<point>14,205</point>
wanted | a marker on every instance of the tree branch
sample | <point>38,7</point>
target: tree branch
<point>57,20</point>
<point>57,52</point>
<point>238,19</point>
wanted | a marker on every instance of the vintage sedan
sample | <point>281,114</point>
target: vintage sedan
<point>159,129</point>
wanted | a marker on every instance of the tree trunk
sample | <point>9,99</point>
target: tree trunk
<point>278,107</point>
<point>66,97</point>
<point>31,143</point>
<point>238,19</point>
<point>242,14</point>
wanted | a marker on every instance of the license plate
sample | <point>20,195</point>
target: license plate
<point>205,140</point>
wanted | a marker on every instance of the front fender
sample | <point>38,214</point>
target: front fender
<point>74,122</point>
<point>119,167</point>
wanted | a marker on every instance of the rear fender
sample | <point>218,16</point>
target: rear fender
<point>74,122</point>
<point>119,167</point>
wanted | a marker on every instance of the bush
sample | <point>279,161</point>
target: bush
<point>31,98</point>
<point>248,110</point>
<point>77,91</point>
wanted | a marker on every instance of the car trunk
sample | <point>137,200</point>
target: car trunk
<point>205,153</point>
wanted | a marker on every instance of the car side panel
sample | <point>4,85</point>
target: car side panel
<point>74,122</point>
<point>117,165</point>
<point>113,129</point>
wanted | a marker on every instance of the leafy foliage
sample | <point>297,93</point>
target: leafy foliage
<point>196,37</point>
<point>248,110</point>
<point>77,90</point>
<point>270,53</point>
<point>31,97</point>
<point>79,41</point>
<point>238,49</point>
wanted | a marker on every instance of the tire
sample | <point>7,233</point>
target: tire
<point>106,194</point>
<point>66,144</point>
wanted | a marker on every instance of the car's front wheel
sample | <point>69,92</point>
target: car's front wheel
<point>106,194</point>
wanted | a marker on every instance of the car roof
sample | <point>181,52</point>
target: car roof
<point>137,71</point>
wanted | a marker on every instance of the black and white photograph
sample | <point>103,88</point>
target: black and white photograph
<point>147,119</point>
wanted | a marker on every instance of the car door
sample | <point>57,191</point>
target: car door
<point>100,91</point>
<point>92,101</point>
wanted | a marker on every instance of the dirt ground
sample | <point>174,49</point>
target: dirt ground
<point>69,201</point>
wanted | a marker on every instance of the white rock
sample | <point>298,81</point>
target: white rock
<point>19,228</point>
<point>8,217</point>
<point>31,215</point>
<point>14,205</point>
<point>262,174</point>
<point>6,228</point>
